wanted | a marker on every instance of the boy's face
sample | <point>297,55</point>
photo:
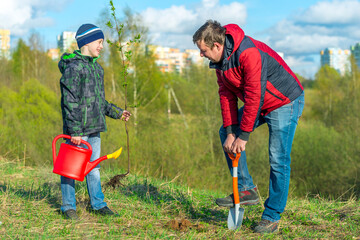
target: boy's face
<point>95,47</point>
<point>214,54</point>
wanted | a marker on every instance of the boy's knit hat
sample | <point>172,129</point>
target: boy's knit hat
<point>88,33</point>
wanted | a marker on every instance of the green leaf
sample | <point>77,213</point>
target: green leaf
<point>109,24</point>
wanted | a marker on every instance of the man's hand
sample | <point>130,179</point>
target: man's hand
<point>229,142</point>
<point>125,116</point>
<point>234,145</point>
<point>76,140</point>
<point>238,146</point>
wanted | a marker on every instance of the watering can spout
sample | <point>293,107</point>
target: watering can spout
<point>90,165</point>
<point>115,155</point>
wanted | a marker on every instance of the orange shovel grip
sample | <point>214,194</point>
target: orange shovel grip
<point>234,159</point>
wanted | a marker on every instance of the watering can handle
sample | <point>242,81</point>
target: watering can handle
<point>68,137</point>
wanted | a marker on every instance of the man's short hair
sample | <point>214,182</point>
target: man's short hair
<point>210,32</point>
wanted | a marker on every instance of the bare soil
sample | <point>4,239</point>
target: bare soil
<point>115,181</point>
<point>184,225</point>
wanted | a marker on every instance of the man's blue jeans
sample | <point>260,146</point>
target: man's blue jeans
<point>92,180</point>
<point>282,124</point>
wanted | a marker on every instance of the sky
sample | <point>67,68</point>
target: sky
<point>298,29</point>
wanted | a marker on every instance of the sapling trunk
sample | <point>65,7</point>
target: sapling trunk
<point>125,59</point>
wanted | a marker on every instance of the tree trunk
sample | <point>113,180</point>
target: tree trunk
<point>135,102</point>
<point>113,93</point>
<point>179,108</point>
<point>169,104</point>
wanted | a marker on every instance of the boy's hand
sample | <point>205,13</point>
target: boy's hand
<point>125,116</point>
<point>76,140</point>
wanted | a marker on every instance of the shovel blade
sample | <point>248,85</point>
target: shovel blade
<point>235,218</point>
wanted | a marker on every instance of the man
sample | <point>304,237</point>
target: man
<point>251,71</point>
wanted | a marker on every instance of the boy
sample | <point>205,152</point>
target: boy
<point>84,108</point>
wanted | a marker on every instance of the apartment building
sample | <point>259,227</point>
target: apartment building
<point>5,43</point>
<point>336,58</point>
<point>66,42</point>
<point>355,51</point>
<point>54,53</point>
<point>173,59</point>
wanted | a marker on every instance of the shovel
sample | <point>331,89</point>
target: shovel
<point>236,214</point>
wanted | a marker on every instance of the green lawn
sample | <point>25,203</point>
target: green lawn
<point>152,209</point>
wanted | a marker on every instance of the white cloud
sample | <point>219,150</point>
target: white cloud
<point>324,24</point>
<point>234,12</point>
<point>302,65</point>
<point>175,26</point>
<point>307,44</point>
<point>209,3</point>
<point>335,12</point>
<point>293,38</point>
<point>175,19</point>
<point>22,15</point>
<point>333,23</point>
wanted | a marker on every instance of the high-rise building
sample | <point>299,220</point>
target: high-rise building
<point>5,43</point>
<point>168,59</point>
<point>54,53</point>
<point>336,58</point>
<point>193,56</point>
<point>355,51</point>
<point>66,41</point>
<point>172,59</point>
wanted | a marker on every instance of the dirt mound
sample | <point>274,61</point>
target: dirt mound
<point>116,181</point>
<point>184,225</point>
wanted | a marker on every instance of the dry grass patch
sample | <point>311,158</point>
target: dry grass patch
<point>30,200</point>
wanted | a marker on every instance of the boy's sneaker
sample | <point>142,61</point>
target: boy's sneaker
<point>71,214</point>
<point>266,226</point>
<point>105,211</point>
<point>249,197</point>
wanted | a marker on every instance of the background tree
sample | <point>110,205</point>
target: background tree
<point>326,150</point>
<point>328,85</point>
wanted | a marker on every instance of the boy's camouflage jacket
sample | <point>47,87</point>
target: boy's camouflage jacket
<point>83,101</point>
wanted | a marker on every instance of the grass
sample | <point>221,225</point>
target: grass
<point>30,200</point>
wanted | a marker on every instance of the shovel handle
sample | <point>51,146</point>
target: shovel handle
<point>235,163</point>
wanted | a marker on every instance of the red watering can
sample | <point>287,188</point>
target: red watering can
<point>74,162</point>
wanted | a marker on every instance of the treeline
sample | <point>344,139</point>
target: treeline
<point>176,117</point>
